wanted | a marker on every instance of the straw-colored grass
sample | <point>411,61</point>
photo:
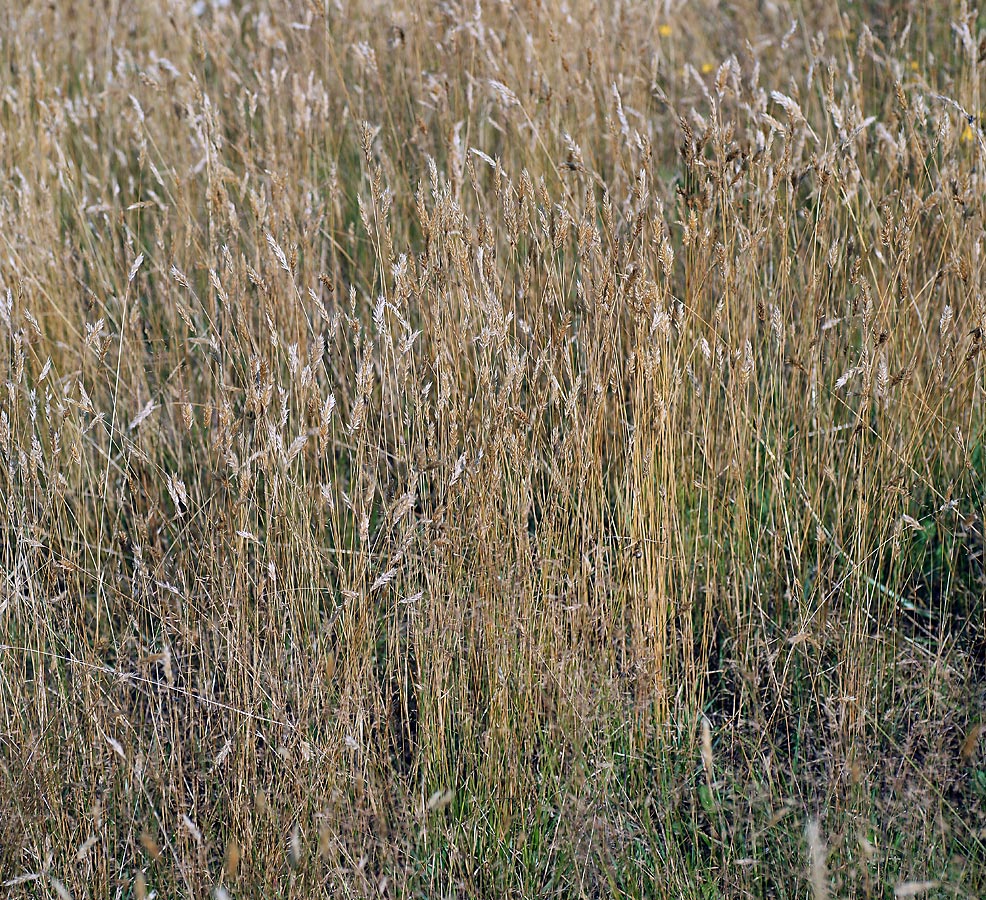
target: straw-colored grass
<point>492,449</point>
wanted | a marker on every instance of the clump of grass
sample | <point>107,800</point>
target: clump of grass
<point>491,450</point>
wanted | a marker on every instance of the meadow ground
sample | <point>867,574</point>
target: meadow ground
<point>490,449</point>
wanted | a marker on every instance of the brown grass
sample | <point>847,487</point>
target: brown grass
<point>492,449</point>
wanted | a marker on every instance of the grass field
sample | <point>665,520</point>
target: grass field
<point>492,449</point>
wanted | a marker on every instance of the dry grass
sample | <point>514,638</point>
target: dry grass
<point>506,449</point>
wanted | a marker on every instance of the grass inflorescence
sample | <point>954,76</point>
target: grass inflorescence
<point>492,449</point>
